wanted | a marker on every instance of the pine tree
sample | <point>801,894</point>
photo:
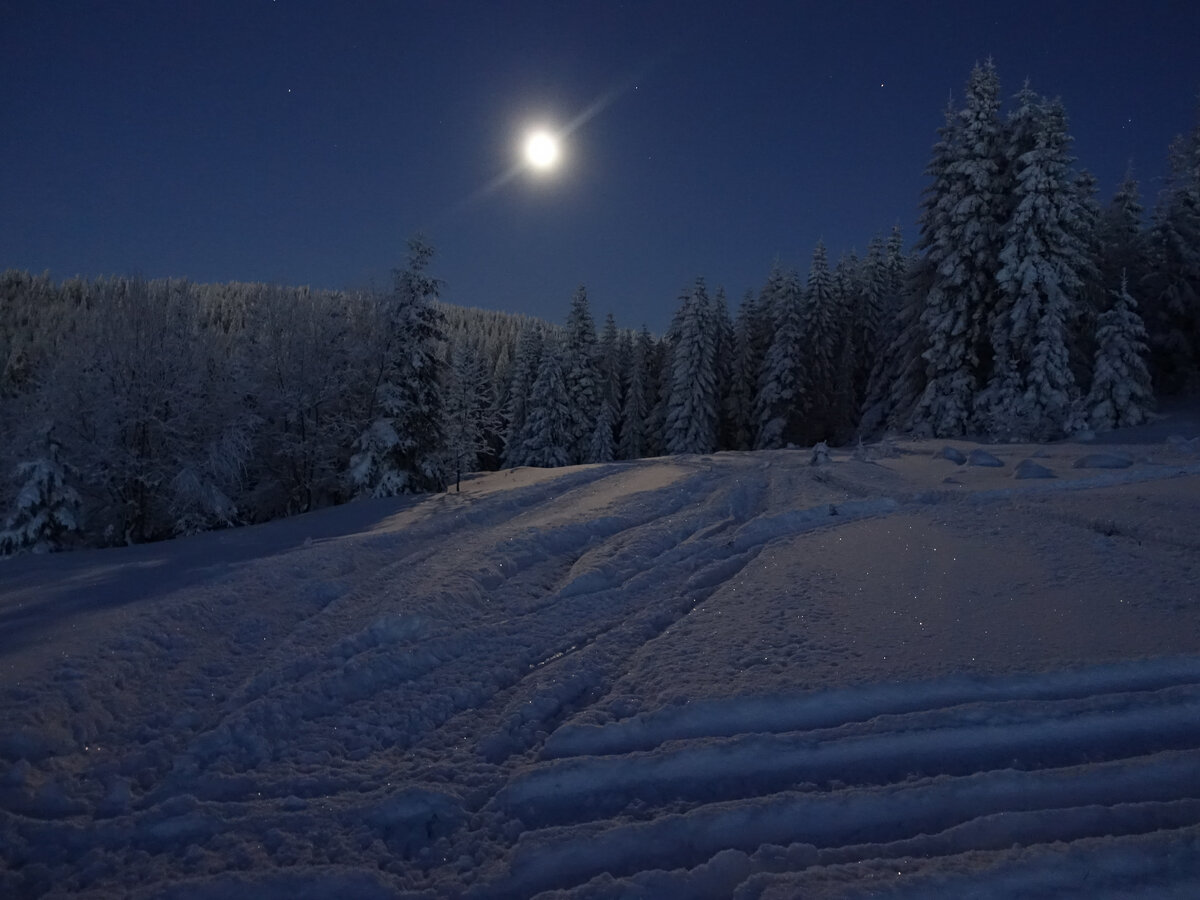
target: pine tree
<point>850,309</point>
<point>659,368</point>
<point>897,369</point>
<point>47,509</point>
<point>601,448</point>
<point>635,411</point>
<point>960,237</point>
<point>724,356</point>
<point>821,350</point>
<point>693,404</point>
<point>401,449</point>
<point>548,428</point>
<point>781,400</point>
<point>752,337</point>
<point>609,362</point>
<point>1122,243</point>
<point>1033,391</point>
<point>1121,393</point>
<point>524,374</point>
<point>467,411</point>
<point>1090,302</point>
<point>582,375</point>
<point>869,313</point>
<point>1171,289</point>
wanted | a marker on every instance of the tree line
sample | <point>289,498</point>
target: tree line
<point>136,410</point>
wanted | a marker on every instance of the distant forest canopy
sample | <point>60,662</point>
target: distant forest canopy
<point>134,410</point>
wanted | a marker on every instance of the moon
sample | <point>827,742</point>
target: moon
<point>541,150</point>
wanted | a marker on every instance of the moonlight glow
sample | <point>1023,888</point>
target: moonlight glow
<point>541,150</point>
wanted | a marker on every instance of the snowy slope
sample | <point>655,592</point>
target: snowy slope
<point>739,675</point>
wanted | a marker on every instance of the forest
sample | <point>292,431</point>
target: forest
<point>135,410</point>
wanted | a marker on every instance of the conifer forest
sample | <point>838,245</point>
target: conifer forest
<point>1027,307</point>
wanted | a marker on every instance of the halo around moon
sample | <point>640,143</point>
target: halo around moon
<point>541,150</point>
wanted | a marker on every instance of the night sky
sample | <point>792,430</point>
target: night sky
<point>304,142</point>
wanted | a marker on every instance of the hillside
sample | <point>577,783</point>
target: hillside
<point>701,676</point>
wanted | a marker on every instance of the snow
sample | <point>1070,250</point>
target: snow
<point>727,675</point>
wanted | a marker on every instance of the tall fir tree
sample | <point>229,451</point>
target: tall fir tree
<point>659,367</point>
<point>1122,393</point>
<point>961,221</point>
<point>546,438</point>
<point>895,368</point>
<point>1032,393</point>
<point>752,337</point>
<point>781,401</point>
<point>402,448</point>
<point>869,313</point>
<point>821,326</point>
<point>725,351</point>
<point>582,374</point>
<point>635,411</point>
<point>850,308</point>
<point>608,361</point>
<point>693,402</point>
<point>467,412</point>
<point>1171,288</point>
<point>602,447</point>
<point>1122,241</point>
<point>1091,301</point>
<point>525,370</point>
<point>48,508</point>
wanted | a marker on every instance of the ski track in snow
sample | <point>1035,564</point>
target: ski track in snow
<point>451,702</point>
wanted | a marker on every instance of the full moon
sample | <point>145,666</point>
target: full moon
<point>541,150</point>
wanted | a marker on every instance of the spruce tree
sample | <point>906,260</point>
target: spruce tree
<point>1033,391</point>
<point>658,366</point>
<point>693,402</point>
<point>781,399</point>
<point>582,376</point>
<point>1121,393</point>
<point>524,373</point>
<point>635,411</point>
<point>850,307</point>
<point>724,358</point>
<point>752,337</point>
<point>601,448</point>
<point>1122,243</point>
<point>610,388</point>
<point>960,237</point>
<point>467,412</point>
<point>1091,300</point>
<point>1171,289</point>
<point>47,509</point>
<point>547,435</point>
<point>821,326</point>
<point>869,313</point>
<point>402,448</point>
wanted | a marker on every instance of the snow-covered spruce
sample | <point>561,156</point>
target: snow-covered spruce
<point>581,375</point>
<point>1121,392</point>
<point>466,412</point>
<point>48,507</point>
<point>693,401</point>
<point>548,433</point>
<point>1032,392</point>
<point>780,400</point>
<point>961,239</point>
<point>400,451</point>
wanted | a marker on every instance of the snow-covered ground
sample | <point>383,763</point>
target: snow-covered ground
<point>730,676</point>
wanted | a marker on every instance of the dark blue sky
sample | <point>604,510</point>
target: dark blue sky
<point>303,142</point>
